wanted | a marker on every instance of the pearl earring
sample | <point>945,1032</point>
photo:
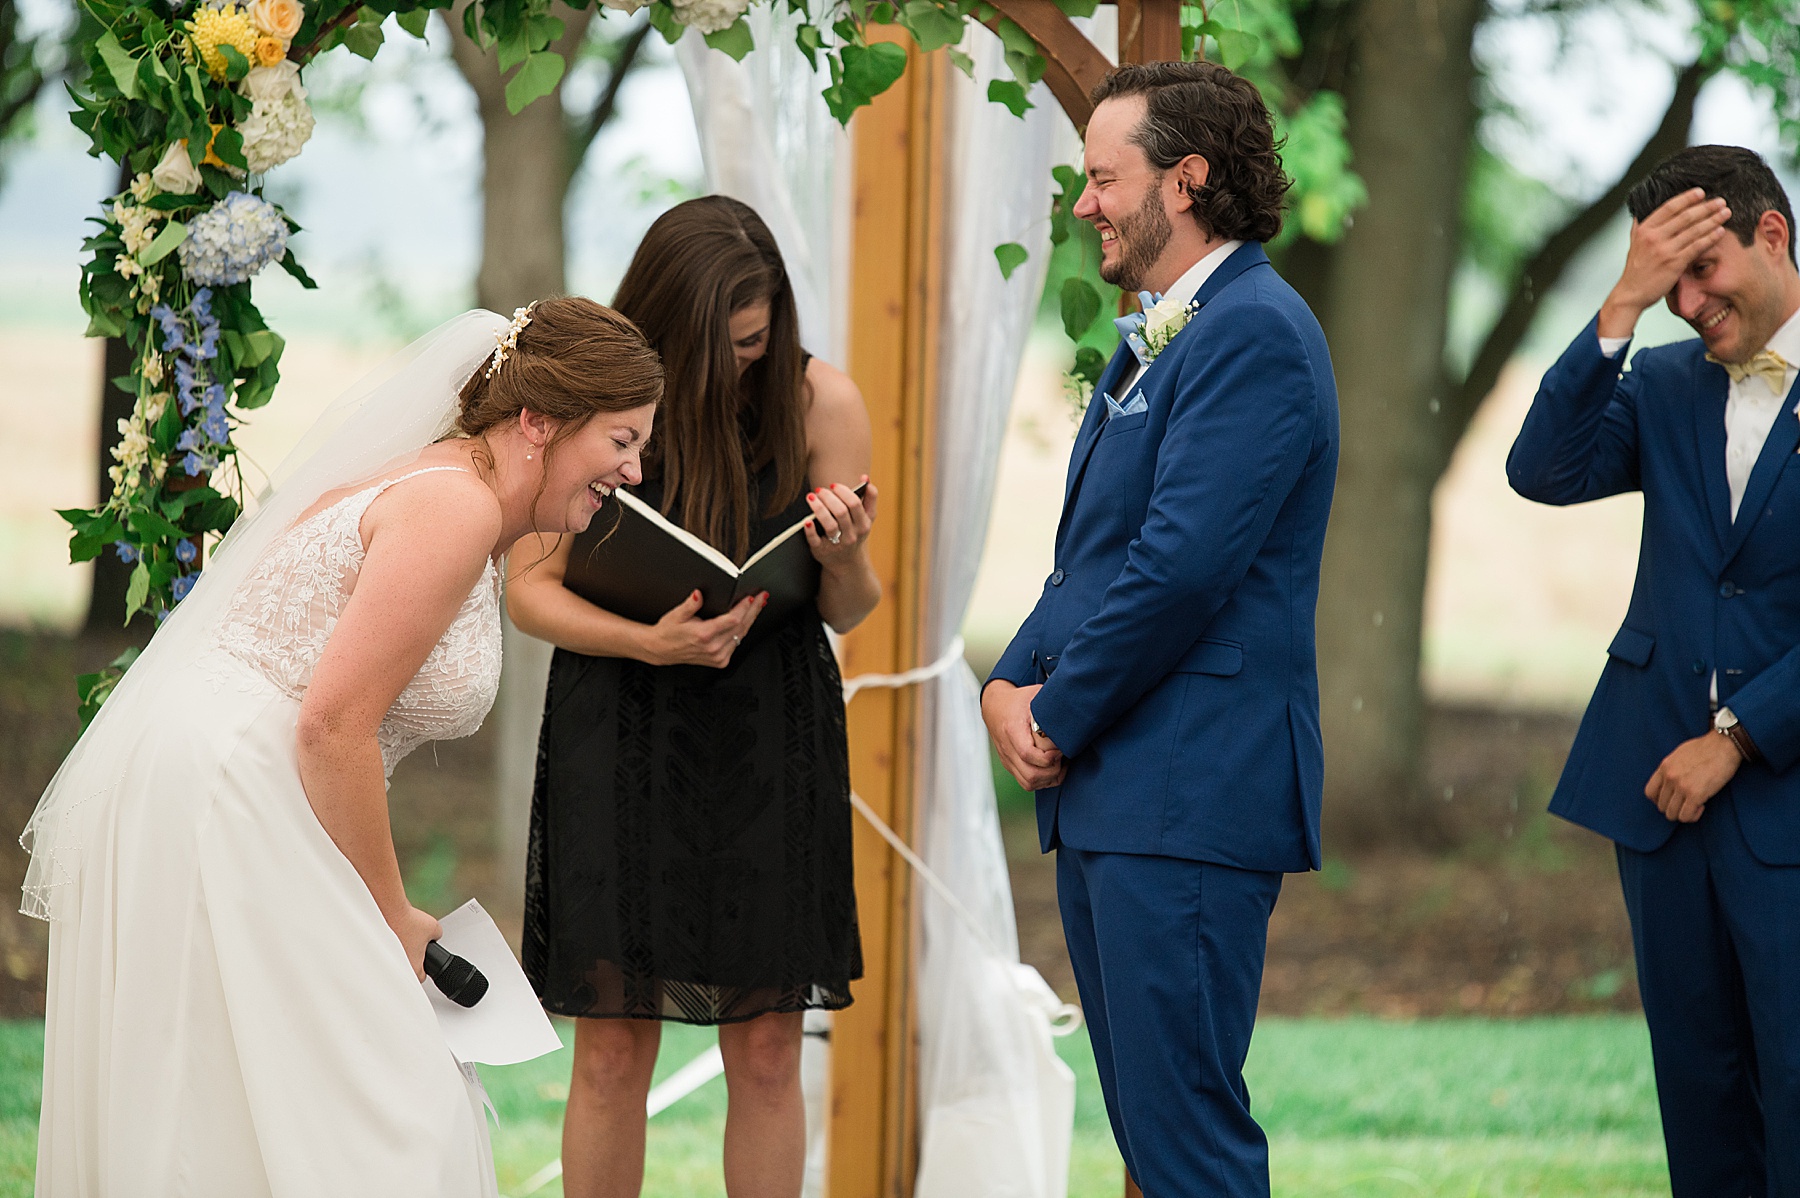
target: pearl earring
<point>528,454</point>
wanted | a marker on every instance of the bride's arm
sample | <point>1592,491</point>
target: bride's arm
<point>428,541</point>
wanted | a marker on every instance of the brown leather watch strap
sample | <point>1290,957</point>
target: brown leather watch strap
<point>1740,739</point>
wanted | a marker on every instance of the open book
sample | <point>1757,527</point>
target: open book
<point>636,563</point>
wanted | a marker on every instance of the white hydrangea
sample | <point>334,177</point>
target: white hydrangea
<point>709,16</point>
<point>232,240</point>
<point>280,120</point>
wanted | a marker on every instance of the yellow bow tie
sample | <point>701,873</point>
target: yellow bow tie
<point>1767,364</point>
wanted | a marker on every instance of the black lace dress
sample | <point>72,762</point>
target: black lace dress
<point>690,830</point>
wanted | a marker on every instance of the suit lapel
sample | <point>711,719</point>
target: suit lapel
<point>1784,437</point>
<point>1093,422</point>
<point>1709,426</point>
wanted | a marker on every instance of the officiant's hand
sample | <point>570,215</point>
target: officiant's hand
<point>841,520</point>
<point>416,929</point>
<point>681,638</point>
<point>1689,777</point>
<point>1030,757</point>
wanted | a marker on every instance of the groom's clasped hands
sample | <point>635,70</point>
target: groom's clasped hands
<point>1029,756</point>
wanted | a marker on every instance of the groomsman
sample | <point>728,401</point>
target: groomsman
<point>1686,756</point>
<point>1162,697</point>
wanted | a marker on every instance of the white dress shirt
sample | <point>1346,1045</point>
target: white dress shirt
<point>1185,289</point>
<point>1751,408</point>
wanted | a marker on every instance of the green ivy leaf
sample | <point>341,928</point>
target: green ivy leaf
<point>1009,93</point>
<point>874,68</point>
<point>147,523</point>
<point>1090,364</point>
<point>961,61</point>
<point>363,40</point>
<point>136,591</point>
<point>416,21</point>
<point>1078,8</point>
<point>1011,256</point>
<point>662,19</point>
<point>292,265</point>
<point>122,66</point>
<point>236,65</point>
<point>537,78</point>
<point>734,40</point>
<point>930,25</point>
<point>542,30</point>
<point>810,41</point>
<point>172,235</point>
<point>1080,306</point>
<point>1236,47</point>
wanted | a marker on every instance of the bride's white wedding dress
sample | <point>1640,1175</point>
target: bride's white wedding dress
<point>228,1012</point>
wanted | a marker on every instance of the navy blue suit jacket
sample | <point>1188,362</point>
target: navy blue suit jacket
<point>1175,638</point>
<point>1711,594</point>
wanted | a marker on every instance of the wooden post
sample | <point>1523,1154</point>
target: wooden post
<point>894,306</point>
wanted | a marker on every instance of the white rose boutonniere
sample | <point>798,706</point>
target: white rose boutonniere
<point>1162,320</point>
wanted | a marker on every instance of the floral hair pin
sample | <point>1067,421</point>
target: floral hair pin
<point>509,340</point>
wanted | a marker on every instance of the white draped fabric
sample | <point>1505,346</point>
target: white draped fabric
<point>997,1106</point>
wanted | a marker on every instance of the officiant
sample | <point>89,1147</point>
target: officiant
<point>690,853</point>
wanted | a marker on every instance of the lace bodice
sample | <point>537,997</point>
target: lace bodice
<point>283,613</point>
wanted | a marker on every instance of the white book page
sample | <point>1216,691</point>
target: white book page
<point>776,543</point>
<point>508,1025</point>
<point>679,533</point>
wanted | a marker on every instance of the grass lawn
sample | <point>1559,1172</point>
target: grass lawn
<point>1457,1108</point>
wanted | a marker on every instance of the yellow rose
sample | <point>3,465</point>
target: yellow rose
<point>269,51</point>
<point>277,18</point>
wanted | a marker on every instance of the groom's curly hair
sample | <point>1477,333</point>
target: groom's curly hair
<point>1202,108</point>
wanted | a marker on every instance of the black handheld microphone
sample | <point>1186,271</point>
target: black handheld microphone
<point>460,981</point>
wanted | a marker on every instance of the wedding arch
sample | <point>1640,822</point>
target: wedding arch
<point>199,99</point>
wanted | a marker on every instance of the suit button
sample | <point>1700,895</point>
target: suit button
<point>1056,579</point>
<point>1699,666</point>
<point>1727,590</point>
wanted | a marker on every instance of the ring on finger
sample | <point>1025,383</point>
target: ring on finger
<point>737,640</point>
<point>836,537</point>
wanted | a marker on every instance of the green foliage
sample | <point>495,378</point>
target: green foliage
<point>1010,256</point>
<point>91,690</point>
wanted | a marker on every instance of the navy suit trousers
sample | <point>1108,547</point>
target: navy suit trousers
<point>1717,934</point>
<point>1168,955</point>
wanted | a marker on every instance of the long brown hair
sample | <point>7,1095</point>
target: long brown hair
<point>575,360</point>
<point>701,262</point>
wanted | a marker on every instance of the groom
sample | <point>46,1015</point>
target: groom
<point>1162,697</point>
<point>1686,757</point>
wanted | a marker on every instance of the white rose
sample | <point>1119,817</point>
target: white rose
<point>709,16</point>
<point>1168,313</point>
<point>176,173</point>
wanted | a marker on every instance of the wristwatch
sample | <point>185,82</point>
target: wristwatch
<point>1725,723</point>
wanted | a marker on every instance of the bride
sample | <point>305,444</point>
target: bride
<point>234,1003</point>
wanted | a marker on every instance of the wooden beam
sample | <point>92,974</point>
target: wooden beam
<point>1149,31</point>
<point>895,301</point>
<point>1074,66</point>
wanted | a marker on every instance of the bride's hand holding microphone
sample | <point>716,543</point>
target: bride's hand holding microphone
<point>416,929</point>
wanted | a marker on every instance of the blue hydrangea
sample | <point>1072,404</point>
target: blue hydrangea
<point>127,553</point>
<point>185,552</point>
<point>233,240</point>
<point>178,590</point>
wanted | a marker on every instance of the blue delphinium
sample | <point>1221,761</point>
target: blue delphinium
<point>126,551</point>
<point>196,465</point>
<point>216,426</point>
<point>185,552</point>
<point>174,336</point>
<point>178,590</point>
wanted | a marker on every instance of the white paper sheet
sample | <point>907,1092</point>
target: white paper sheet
<point>508,1025</point>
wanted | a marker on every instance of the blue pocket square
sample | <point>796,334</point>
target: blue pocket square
<point>1132,407</point>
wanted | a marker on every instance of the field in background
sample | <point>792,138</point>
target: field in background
<point>1555,1108</point>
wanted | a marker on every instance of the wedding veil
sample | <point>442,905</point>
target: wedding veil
<point>399,408</point>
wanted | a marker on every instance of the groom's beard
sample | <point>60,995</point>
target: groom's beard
<point>1142,238</point>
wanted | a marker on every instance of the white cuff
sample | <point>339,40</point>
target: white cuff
<point>1610,346</point>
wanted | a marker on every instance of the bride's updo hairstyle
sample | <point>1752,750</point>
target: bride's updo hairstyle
<point>573,361</point>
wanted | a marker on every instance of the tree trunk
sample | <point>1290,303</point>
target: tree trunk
<point>1412,115</point>
<point>524,184</point>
